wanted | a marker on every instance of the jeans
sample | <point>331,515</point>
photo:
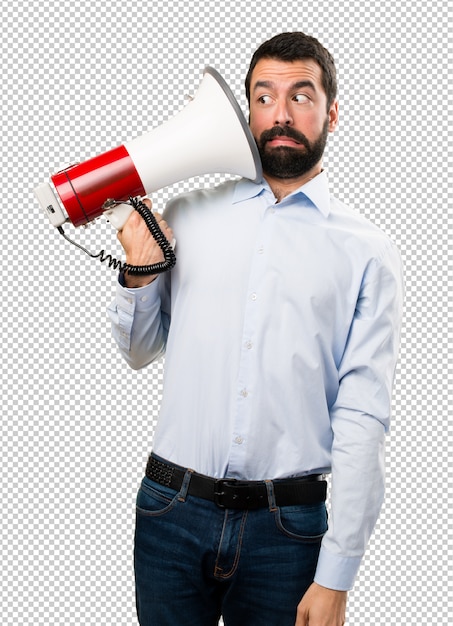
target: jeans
<point>195,561</point>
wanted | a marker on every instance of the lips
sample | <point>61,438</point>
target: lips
<point>283,141</point>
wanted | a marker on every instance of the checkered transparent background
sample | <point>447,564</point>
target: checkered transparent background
<point>79,78</point>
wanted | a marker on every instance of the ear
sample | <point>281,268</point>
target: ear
<point>333,116</point>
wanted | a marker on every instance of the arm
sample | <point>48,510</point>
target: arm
<point>359,419</point>
<point>140,313</point>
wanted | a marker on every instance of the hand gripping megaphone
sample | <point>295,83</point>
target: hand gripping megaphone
<point>209,135</point>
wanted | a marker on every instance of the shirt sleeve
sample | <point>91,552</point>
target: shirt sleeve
<point>360,419</point>
<point>140,322</point>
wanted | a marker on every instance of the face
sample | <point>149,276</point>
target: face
<point>289,117</point>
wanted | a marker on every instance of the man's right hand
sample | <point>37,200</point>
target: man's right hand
<point>140,246</point>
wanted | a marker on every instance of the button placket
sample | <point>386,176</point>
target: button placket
<point>249,347</point>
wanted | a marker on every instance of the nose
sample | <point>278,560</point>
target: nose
<point>283,116</point>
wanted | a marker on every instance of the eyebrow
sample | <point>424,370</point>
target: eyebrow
<point>301,84</point>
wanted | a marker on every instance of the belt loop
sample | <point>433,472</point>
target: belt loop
<point>185,486</point>
<point>271,495</point>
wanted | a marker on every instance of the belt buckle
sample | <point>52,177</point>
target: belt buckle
<point>219,490</point>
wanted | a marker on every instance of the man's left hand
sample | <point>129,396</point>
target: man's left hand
<point>322,607</point>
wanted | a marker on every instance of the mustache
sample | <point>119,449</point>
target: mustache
<point>283,131</point>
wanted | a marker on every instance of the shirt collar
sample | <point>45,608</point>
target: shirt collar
<point>316,190</point>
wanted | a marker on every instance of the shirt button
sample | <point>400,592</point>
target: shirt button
<point>238,440</point>
<point>244,393</point>
<point>144,298</point>
<point>254,296</point>
<point>260,250</point>
<point>248,345</point>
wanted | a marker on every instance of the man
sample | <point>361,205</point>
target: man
<point>280,328</point>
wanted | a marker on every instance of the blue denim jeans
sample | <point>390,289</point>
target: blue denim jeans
<point>195,561</point>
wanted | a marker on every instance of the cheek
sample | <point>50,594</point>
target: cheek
<point>259,121</point>
<point>256,128</point>
<point>311,124</point>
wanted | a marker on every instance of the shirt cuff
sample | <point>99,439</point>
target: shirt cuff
<point>128,303</point>
<point>335,571</point>
<point>134,299</point>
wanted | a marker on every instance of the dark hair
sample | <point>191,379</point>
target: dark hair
<point>294,47</point>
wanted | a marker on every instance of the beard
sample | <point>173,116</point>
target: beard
<point>285,162</point>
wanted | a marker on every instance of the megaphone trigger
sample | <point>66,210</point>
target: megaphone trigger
<point>118,214</point>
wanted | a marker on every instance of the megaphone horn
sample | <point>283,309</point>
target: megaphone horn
<point>210,135</point>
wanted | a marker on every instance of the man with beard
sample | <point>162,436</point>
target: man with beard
<point>279,326</point>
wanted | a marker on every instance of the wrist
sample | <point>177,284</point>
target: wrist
<point>333,592</point>
<point>135,282</point>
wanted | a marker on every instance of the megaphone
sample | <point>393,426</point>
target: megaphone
<point>209,135</point>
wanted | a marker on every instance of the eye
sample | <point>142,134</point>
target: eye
<point>265,99</point>
<point>300,98</point>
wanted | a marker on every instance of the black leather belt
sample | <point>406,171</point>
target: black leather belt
<point>228,493</point>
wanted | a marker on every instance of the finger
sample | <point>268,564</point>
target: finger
<point>167,231</point>
<point>301,619</point>
<point>302,615</point>
<point>148,202</point>
<point>162,223</point>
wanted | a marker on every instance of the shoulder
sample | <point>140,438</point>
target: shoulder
<point>359,232</point>
<point>201,198</point>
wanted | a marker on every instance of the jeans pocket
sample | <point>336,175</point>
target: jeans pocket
<point>304,522</point>
<point>154,499</point>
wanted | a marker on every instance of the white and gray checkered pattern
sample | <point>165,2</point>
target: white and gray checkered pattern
<point>79,78</point>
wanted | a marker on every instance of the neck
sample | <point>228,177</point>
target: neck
<point>282,187</point>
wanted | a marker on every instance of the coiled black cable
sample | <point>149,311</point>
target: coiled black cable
<point>137,270</point>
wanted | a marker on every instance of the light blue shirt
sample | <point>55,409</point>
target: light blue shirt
<point>280,328</point>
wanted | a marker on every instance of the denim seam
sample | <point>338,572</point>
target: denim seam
<point>295,536</point>
<point>218,573</point>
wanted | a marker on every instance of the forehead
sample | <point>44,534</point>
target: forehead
<point>284,73</point>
